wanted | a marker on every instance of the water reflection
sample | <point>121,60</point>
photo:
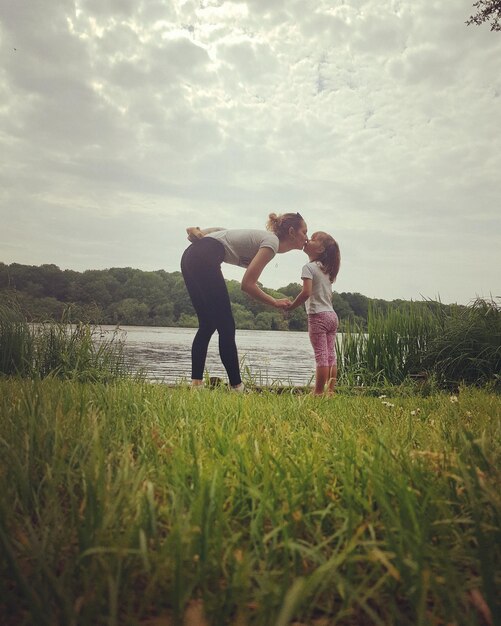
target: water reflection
<point>266,356</point>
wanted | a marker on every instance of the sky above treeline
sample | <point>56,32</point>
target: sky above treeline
<point>124,121</point>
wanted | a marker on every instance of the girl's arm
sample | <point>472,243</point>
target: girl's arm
<point>251,276</point>
<point>303,296</point>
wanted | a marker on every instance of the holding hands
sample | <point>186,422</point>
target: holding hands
<point>283,304</point>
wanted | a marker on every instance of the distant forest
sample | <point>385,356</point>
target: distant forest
<point>127,296</point>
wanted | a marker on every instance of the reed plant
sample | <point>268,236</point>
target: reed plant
<point>390,349</point>
<point>58,349</point>
<point>450,345</point>
<point>16,345</point>
<point>467,347</point>
<point>133,503</point>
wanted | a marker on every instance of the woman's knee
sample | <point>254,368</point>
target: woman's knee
<point>226,326</point>
<point>206,330</point>
<point>227,338</point>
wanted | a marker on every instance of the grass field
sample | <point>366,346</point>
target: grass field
<point>132,503</point>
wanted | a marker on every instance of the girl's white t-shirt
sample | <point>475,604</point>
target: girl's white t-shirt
<point>241,246</point>
<point>321,289</point>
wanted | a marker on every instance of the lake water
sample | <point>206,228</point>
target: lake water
<point>164,354</point>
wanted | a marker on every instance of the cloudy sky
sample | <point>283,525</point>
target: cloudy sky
<point>124,121</point>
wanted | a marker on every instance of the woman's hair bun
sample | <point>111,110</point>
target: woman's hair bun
<point>280,224</point>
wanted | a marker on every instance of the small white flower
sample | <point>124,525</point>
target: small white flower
<point>382,397</point>
<point>387,403</point>
<point>416,412</point>
<point>453,399</point>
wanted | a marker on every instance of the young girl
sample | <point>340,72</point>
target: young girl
<point>318,276</point>
<point>201,268</point>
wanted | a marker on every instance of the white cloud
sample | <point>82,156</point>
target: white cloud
<point>121,122</point>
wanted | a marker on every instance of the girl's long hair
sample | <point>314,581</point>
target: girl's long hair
<point>280,224</point>
<point>330,257</point>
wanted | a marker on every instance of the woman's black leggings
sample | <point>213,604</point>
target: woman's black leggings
<point>201,268</point>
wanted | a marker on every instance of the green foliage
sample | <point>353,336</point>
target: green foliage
<point>130,311</point>
<point>134,504</point>
<point>467,345</point>
<point>452,344</point>
<point>383,342</point>
<point>270,320</point>
<point>243,317</point>
<point>358,303</point>
<point>342,307</point>
<point>16,343</point>
<point>188,321</point>
<point>132,297</point>
<point>298,319</point>
<point>57,349</point>
<point>291,290</point>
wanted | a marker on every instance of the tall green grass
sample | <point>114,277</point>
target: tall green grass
<point>451,346</point>
<point>467,347</point>
<point>16,343</point>
<point>57,349</point>
<point>129,503</point>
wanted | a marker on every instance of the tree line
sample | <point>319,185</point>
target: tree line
<point>128,296</point>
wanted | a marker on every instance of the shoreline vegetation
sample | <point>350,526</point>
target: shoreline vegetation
<point>434,348</point>
<point>133,297</point>
<point>127,502</point>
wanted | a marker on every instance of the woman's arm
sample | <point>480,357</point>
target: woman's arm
<point>214,229</point>
<point>194,232</point>
<point>251,276</point>
<point>303,296</point>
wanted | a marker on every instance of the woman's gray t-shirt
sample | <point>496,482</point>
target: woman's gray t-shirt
<point>241,246</point>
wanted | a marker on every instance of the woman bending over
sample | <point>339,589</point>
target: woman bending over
<point>201,269</point>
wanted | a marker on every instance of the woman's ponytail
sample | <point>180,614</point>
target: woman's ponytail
<point>280,224</point>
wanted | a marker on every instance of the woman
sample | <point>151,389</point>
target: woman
<point>201,268</point>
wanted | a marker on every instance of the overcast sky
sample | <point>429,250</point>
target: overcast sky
<point>124,121</point>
